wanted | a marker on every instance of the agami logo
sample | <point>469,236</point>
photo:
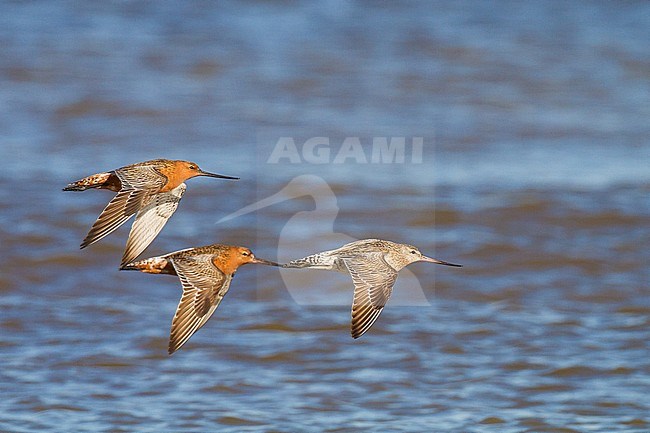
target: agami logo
<point>320,150</point>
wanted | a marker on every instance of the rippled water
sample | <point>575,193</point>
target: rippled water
<point>534,175</point>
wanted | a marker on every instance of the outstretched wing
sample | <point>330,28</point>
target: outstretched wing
<point>373,284</point>
<point>204,286</point>
<point>139,183</point>
<point>150,220</point>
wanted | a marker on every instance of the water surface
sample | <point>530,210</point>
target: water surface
<point>534,175</point>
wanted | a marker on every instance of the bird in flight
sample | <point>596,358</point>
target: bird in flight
<point>205,274</point>
<point>151,190</point>
<point>373,265</point>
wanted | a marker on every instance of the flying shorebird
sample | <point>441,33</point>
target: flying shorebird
<point>150,189</point>
<point>373,265</point>
<point>205,274</point>
<point>306,288</point>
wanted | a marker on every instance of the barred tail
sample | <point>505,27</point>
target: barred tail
<point>298,263</point>
<point>315,261</point>
<point>99,180</point>
<point>75,186</point>
<point>154,265</point>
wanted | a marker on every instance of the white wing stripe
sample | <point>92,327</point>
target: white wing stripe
<point>150,220</point>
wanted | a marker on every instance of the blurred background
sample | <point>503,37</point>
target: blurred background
<point>534,174</point>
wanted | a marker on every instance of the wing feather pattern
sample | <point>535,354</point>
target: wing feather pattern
<point>373,280</point>
<point>150,220</point>
<point>139,183</point>
<point>204,286</point>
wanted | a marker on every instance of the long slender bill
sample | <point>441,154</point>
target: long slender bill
<point>219,176</point>
<point>439,262</point>
<point>264,262</point>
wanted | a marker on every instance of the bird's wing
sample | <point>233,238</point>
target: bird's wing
<point>373,284</point>
<point>138,185</point>
<point>204,286</point>
<point>150,220</point>
<point>141,177</point>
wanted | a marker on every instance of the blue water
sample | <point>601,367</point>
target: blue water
<point>533,119</point>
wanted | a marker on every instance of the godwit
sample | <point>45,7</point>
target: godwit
<point>205,274</point>
<point>318,222</point>
<point>373,265</point>
<point>150,189</point>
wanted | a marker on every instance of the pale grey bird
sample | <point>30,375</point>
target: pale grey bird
<point>373,265</point>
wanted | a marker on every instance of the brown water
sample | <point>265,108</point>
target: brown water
<point>534,174</point>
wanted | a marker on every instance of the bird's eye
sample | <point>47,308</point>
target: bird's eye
<point>244,253</point>
<point>413,252</point>
<point>193,167</point>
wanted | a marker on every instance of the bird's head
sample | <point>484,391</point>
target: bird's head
<point>229,258</point>
<point>411,254</point>
<point>243,255</point>
<point>189,169</point>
